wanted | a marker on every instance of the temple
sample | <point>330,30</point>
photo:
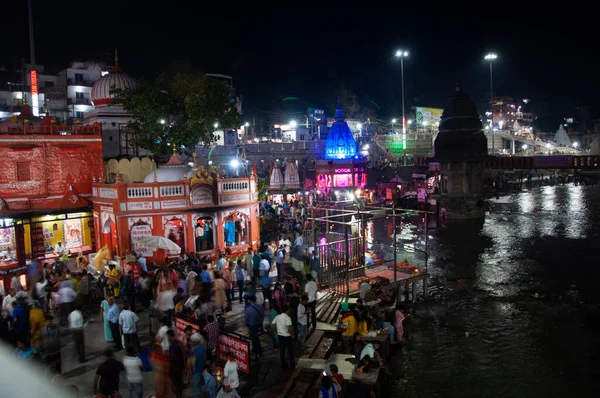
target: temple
<point>45,187</point>
<point>342,167</point>
<point>460,148</point>
<point>193,206</point>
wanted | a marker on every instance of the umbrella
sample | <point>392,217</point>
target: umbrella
<point>159,242</point>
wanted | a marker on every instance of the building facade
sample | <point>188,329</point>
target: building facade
<point>194,207</point>
<point>45,187</point>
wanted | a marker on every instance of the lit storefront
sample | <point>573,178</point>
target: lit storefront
<point>39,208</point>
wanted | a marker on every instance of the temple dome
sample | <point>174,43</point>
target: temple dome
<point>276,180</point>
<point>340,142</point>
<point>101,95</point>
<point>292,180</point>
<point>173,171</point>
<point>460,133</point>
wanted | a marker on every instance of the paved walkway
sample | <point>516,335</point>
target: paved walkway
<point>263,373</point>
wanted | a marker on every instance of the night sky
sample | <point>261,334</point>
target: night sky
<point>311,53</point>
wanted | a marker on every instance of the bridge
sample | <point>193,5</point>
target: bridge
<point>565,162</point>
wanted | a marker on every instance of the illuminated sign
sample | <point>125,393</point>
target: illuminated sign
<point>35,105</point>
<point>428,116</point>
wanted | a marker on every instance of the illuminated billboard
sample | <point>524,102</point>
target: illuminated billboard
<point>428,116</point>
<point>35,102</point>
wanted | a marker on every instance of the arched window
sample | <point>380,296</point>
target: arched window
<point>204,233</point>
<point>235,228</point>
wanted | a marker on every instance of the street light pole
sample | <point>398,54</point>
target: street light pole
<point>403,54</point>
<point>393,121</point>
<point>491,57</point>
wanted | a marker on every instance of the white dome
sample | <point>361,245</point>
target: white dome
<point>169,174</point>
<point>101,95</point>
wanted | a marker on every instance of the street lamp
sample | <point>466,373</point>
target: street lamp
<point>491,57</point>
<point>216,125</point>
<point>235,163</point>
<point>393,121</point>
<point>246,124</point>
<point>359,126</point>
<point>403,54</point>
<point>293,124</point>
<point>575,145</point>
<point>162,121</point>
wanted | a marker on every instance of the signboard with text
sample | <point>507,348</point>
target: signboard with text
<point>240,349</point>
<point>428,116</point>
<point>317,116</point>
<point>180,325</point>
<point>139,231</point>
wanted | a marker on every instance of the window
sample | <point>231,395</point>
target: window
<point>78,77</point>
<point>23,171</point>
<point>78,95</point>
<point>79,115</point>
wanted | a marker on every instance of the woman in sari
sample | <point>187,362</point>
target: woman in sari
<point>37,319</point>
<point>219,286</point>
<point>400,317</point>
<point>104,314</point>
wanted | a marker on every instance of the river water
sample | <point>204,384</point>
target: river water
<point>514,306</point>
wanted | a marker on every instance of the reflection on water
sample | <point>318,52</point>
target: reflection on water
<point>524,285</point>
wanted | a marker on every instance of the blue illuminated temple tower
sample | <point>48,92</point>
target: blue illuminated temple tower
<point>340,142</point>
<point>342,167</point>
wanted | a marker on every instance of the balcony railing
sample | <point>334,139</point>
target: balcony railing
<point>141,192</point>
<point>79,101</point>
<point>77,82</point>
<point>235,186</point>
<point>176,190</point>
<point>53,129</point>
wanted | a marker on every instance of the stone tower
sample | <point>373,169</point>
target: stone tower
<point>460,148</point>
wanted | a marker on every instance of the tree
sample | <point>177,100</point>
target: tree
<point>179,113</point>
<point>262,187</point>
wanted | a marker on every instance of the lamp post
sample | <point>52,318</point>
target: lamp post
<point>359,125</point>
<point>393,121</point>
<point>403,54</point>
<point>491,57</point>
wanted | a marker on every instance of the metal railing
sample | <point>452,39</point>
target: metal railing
<point>174,190</point>
<point>141,192</point>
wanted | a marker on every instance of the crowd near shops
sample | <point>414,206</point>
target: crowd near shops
<point>277,282</point>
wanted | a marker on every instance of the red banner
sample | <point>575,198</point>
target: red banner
<point>239,348</point>
<point>180,325</point>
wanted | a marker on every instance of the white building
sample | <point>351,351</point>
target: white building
<point>65,96</point>
<point>117,140</point>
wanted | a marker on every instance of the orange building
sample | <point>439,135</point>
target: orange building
<point>192,206</point>
<point>45,186</point>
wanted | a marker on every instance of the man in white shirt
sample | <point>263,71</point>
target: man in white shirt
<point>282,324</point>
<point>7,306</point>
<point>127,322</point>
<point>230,372</point>
<point>76,325</point>
<point>311,291</point>
<point>59,249</point>
<point>299,240</point>
<point>67,296</point>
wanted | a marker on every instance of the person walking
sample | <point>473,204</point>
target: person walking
<point>128,290</point>
<point>199,352</point>
<point>84,289</point>
<point>133,370</point>
<point>302,321</point>
<point>106,381</point>
<point>128,322</point>
<point>219,286</point>
<point>50,346</point>
<point>282,324</point>
<point>228,279</point>
<point>210,379</point>
<point>240,277</point>
<point>230,372</point>
<point>177,359</point>
<point>255,316</point>
<point>76,325</point>
<point>311,291</point>
<point>112,317</point>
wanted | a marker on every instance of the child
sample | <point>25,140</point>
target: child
<point>230,372</point>
<point>337,379</point>
<point>133,371</point>
<point>302,321</point>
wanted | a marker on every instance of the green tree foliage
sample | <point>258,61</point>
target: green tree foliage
<point>179,113</point>
<point>262,187</point>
